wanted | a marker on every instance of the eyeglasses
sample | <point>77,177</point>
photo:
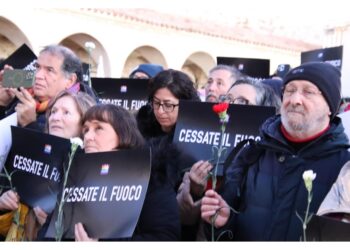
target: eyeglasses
<point>307,93</point>
<point>167,107</point>
<point>239,100</point>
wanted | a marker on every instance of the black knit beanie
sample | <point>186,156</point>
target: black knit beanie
<point>325,76</point>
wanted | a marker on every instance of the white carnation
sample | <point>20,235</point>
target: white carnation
<point>77,141</point>
<point>309,175</point>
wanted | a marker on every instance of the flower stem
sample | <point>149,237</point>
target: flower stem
<point>59,223</point>
<point>212,228</point>
<point>306,213</point>
<point>214,176</point>
<point>221,147</point>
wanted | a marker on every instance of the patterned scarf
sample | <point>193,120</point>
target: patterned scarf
<point>42,106</point>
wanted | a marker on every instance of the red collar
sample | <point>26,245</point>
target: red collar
<point>308,139</point>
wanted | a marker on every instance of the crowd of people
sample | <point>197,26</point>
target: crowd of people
<point>263,189</point>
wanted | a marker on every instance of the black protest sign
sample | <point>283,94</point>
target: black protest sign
<point>128,93</point>
<point>22,58</point>
<point>257,68</point>
<point>196,135</point>
<point>332,55</point>
<point>282,70</point>
<point>105,191</point>
<point>324,228</point>
<point>36,161</point>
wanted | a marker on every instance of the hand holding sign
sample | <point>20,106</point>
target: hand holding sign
<point>101,183</point>
<point>196,135</point>
<point>40,163</point>
<point>81,234</point>
<point>9,201</point>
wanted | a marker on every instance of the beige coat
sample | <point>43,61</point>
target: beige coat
<point>338,198</point>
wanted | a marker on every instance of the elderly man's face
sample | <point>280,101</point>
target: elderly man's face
<point>218,84</point>
<point>49,77</point>
<point>304,110</point>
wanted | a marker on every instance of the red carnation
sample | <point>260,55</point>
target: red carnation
<point>220,107</point>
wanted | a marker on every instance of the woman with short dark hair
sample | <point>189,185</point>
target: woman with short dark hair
<point>108,127</point>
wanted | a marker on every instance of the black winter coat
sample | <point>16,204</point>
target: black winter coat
<point>159,218</point>
<point>272,190</point>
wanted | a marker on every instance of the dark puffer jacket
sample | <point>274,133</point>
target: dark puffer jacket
<point>273,189</point>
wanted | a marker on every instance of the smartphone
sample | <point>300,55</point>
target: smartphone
<point>18,78</point>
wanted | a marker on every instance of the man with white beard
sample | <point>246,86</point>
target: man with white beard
<point>264,183</point>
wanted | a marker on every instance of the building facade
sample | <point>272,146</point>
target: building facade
<point>124,38</point>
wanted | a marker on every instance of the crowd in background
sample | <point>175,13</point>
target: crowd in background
<point>263,187</point>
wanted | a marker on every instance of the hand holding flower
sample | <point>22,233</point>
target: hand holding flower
<point>219,206</point>
<point>214,209</point>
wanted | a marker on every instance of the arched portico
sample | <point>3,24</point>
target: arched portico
<point>143,54</point>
